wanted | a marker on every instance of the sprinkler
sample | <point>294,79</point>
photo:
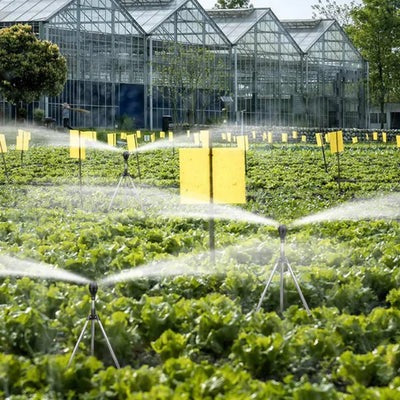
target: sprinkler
<point>93,318</point>
<point>283,265</point>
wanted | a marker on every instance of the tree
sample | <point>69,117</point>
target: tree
<point>29,67</point>
<point>229,4</point>
<point>376,32</point>
<point>189,75</point>
<point>332,10</point>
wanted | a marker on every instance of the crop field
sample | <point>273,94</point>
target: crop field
<point>183,326</point>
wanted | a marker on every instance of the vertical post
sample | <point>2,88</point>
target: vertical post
<point>338,159</point>
<point>211,222</point>
<point>137,157</point>
<point>4,162</point>
<point>151,82</point>
<point>80,159</point>
<point>324,157</point>
<point>92,322</point>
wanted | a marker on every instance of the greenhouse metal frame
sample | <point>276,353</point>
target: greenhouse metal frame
<point>144,60</point>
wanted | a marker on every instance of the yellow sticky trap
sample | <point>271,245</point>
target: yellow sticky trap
<point>228,176</point>
<point>336,142</point>
<point>284,137</point>
<point>264,136</point>
<point>3,144</point>
<point>327,137</point>
<point>398,140</point>
<point>223,136</point>
<point>24,134</point>
<point>112,139</point>
<point>153,137</point>
<point>384,137</point>
<point>205,138</point>
<point>162,135</point>
<point>243,142</point>
<point>131,142</point>
<point>318,138</point>
<point>229,137</point>
<point>123,135</point>
<point>374,135</point>
<point>294,134</point>
<point>22,143</point>
<point>304,138</point>
<point>170,136</point>
<point>89,135</point>
<point>366,136</point>
<point>76,145</point>
<point>188,133</point>
<point>254,134</point>
<point>196,137</point>
<point>270,138</point>
<point>354,139</point>
<point>138,134</point>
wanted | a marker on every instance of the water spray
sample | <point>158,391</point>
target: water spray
<point>93,318</point>
<point>283,264</point>
<point>124,176</point>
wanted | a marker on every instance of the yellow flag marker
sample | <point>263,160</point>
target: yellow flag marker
<point>327,137</point>
<point>270,138</point>
<point>162,135</point>
<point>243,142</point>
<point>398,140</point>
<point>375,136</point>
<point>205,138</point>
<point>284,137</point>
<point>223,136</point>
<point>228,176</point>
<point>23,139</point>
<point>264,136</point>
<point>3,144</point>
<point>131,142</point>
<point>188,133</point>
<point>366,136</point>
<point>384,137</point>
<point>138,134</point>
<point>336,142</point>
<point>171,136</point>
<point>123,135</point>
<point>294,134</point>
<point>318,138</point>
<point>25,134</point>
<point>112,139</point>
<point>304,138</point>
<point>354,139</point>
<point>153,137</point>
<point>76,145</point>
<point>229,136</point>
<point>254,134</point>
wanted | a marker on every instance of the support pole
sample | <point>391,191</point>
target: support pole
<point>4,163</point>
<point>211,222</point>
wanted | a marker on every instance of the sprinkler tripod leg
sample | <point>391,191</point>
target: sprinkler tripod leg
<point>282,286</point>
<point>77,343</point>
<point>267,285</point>
<point>115,193</point>
<point>134,190</point>
<point>110,349</point>
<point>298,288</point>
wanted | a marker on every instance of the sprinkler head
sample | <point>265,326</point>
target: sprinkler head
<point>125,154</point>
<point>93,287</point>
<point>282,230</point>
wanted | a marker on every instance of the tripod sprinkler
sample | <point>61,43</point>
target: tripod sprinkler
<point>282,230</point>
<point>93,287</point>
<point>125,154</point>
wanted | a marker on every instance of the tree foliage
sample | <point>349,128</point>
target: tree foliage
<point>376,32</point>
<point>29,67</point>
<point>229,4</point>
<point>332,10</point>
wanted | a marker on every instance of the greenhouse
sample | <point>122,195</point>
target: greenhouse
<point>147,60</point>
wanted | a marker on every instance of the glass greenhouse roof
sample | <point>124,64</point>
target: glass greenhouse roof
<point>150,14</point>
<point>307,32</point>
<point>29,10</point>
<point>237,22</point>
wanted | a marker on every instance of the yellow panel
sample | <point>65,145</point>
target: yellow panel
<point>270,138</point>
<point>294,134</point>
<point>304,138</point>
<point>229,137</point>
<point>318,138</point>
<point>188,133</point>
<point>366,136</point>
<point>22,143</point>
<point>162,135</point>
<point>153,137</point>
<point>123,135</point>
<point>284,137</point>
<point>384,137</point>
<point>170,136</point>
<point>229,181</point>
<point>327,137</point>
<point>194,176</point>
<point>205,138</point>
<point>24,134</point>
<point>336,142</point>
<point>90,135</point>
<point>196,137</point>
<point>354,139</point>
<point>3,144</point>
<point>243,142</point>
<point>131,142</point>
<point>375,135</point>
<point>254,134</point>
<point>138,134</point>
<point>76,143</point>
<point>264,136</point>
<point>223,136</point>
<point>112,139</point>
<point>398,140</point>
